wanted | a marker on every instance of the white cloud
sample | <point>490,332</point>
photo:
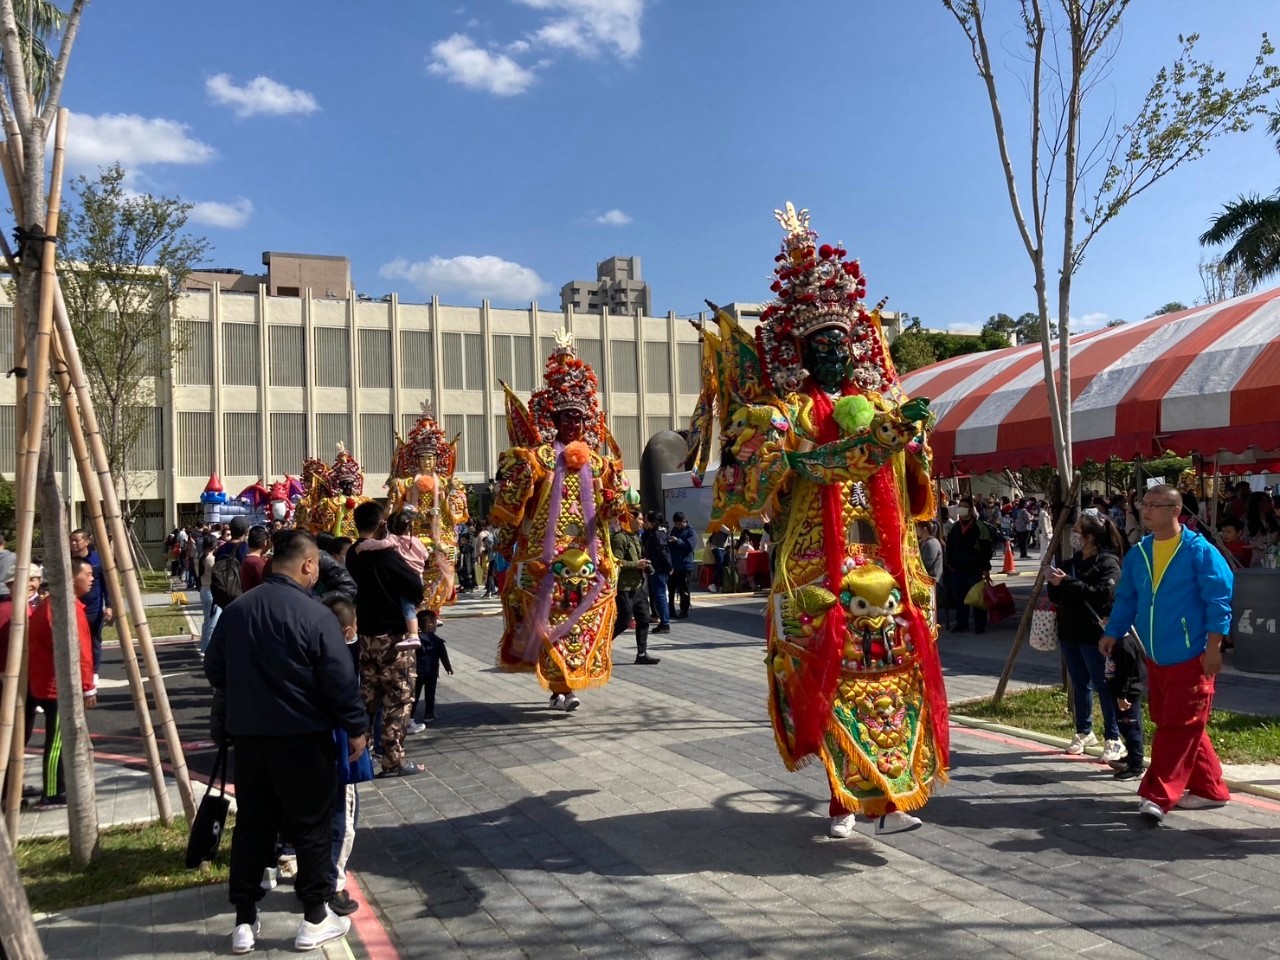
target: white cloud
<point>613,218</point>
<point>586,26</point>
<point>1090,321</point>
<point>132,141</point>
<point>259,95</point>
<point>517,46</point>
<point>228,216</point>
<point>459,60</point>
<point>475,277</point>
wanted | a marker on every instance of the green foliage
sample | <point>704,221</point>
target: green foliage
<point>916,347</point>
<point>1173,306</point>
<point>123,259</point>
<point>38,21</point>
<point>1005,330</point>
<point>1252,225</point>
<point>912,350</point>
<point>137,860</point>
<point>8,508</point>
<point>1237,737</point>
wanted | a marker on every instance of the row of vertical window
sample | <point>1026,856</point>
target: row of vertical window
<point>514,361</point>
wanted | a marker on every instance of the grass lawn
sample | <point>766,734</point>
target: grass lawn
<point>136,861</point>
<point>1238,737</point>
<point>163,623</point>
<point>154,581</point>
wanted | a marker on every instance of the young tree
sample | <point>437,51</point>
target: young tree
<point>124,258</point>
<point>1025,329</point>
<point>30,89</point>
<point>1224,281</point>
<point>1069,47</point>
<point>912,349</point>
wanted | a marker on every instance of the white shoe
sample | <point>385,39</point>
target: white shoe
<point>311,935</point>
<point>269,880</point>
<point>1150,810</point>
<point>1189,801</point>
<point>897,822</point>
<point>1114,751</point>
<point>571,703</point>
<point>414,727</point>
<point>557,701</point>
<point>842,826</point>
<point>244,936</point>
<point>1080,742</point>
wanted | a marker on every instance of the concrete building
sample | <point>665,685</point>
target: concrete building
<point>270,379</point>
<point>288,274</point>
<point>617,289</point>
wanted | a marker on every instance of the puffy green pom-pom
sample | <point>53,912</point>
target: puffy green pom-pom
<point>854,414</point>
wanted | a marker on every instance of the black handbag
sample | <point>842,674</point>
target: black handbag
<point>211,818</point>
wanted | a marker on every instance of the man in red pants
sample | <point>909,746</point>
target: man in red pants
<point>1175,592</point>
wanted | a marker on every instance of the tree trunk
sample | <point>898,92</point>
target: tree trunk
<point>18,937</point>
<point>82,802</point>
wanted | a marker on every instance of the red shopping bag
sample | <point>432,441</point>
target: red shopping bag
<point>999,601</point>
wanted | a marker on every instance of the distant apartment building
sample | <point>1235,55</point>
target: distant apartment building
<point>617,289</point>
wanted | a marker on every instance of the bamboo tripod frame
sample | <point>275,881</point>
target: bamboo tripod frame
<point>105,518</point>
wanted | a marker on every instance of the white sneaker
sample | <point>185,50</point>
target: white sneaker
<point>842,826</point>
<point>311,935</point>
<point>557,701</point>
<point>414,727</point>
<point>1080,742</point>
<point>1189,801</point>
<point>1150,810</point>
<point>269,880</point>
<point>244,936</point>
<point>897,822</point>
<point>1114,751</point>
<point>571,703</point>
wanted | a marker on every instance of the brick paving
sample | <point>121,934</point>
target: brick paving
<point>657,821</point>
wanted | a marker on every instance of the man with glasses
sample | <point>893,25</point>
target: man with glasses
<point>1175,592</point>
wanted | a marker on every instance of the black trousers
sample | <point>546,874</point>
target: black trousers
<point>633,603</point>
<point>284,785</point>
<point>428,677</point>
<point>53,776</point>
<point>678,584</point>
<point>1022,538</point>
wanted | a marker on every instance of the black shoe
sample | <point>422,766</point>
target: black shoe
<point>960,628</point>
<point>342,904</point>
<point>647,660</point>
<point>979,629</point>
<point>680,616</point>
<point>1127,773</point>
<point>30,793</point>
<point>661,628</point>
<point>52,803</point>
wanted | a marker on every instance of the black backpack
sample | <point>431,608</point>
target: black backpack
<point>224,582</point>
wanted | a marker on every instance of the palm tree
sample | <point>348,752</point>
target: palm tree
<point>1252,225</point>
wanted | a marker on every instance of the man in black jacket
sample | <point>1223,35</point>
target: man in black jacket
<point>283,683</point>
<point>388,665</point>
<point>968,556</point>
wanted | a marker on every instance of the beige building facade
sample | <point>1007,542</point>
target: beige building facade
<point>269,380</point>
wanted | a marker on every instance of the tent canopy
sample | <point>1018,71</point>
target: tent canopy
<point>1205,380</point>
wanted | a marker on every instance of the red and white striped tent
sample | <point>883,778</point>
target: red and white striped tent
<point>1205,381</point>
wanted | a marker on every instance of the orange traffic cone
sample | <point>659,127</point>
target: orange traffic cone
<point>1009,568</point>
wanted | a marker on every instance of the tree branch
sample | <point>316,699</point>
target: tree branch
<point>64,55</point>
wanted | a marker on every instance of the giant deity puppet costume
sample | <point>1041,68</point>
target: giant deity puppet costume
<point>555,497</point>
<point>422,483</point>
<point>818,436</point>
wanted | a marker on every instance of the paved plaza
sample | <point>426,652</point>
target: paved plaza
<point>657,821</point>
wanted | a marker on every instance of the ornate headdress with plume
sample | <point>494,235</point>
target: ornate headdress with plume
<point>817,288</point>
<point>426,440</point>
<point>570,385</point>
<point>347,476</point>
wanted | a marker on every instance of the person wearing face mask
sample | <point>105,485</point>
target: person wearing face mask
<point>283,682</point>
<point>968,557</point>
<point>1083,596</point>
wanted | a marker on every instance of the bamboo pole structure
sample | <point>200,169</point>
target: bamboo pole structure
<point>93,505</point>
<point>1046,558</point>
<point>29,445</point>
<point>119,543</point>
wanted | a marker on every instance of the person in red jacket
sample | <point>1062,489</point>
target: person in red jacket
<point>42,690</point>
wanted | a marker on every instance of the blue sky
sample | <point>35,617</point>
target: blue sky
<point>500,148</point>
